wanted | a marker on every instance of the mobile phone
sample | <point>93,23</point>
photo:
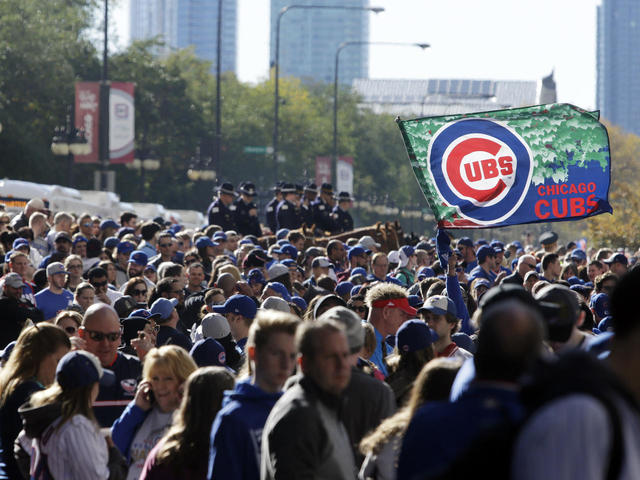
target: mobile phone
<point>150,396</point>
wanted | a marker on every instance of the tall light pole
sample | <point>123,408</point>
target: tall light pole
<point>276,99</point>
<point>104,106</point>
<point>218,148</point>
<point>335,89</point>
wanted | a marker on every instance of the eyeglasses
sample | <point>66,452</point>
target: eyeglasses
<point>100,336</point>
<point>139,292</point>
<point>70,330</point>
<point>99,284</point>
<point>165,245</point>
<point>87,224</point>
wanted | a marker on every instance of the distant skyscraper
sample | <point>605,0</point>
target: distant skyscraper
<point>618,89</point>
<point>182,23</point>
<point>309,39</point>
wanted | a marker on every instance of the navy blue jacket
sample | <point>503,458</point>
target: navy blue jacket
<point>237,432</point>
<point>220,214</point>
<point>288,216</point>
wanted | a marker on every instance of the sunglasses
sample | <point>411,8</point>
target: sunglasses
<point>165,245</point>
<point>70,330</point>
<point>100,336</point>
<point>87,224</point>
<point>99,284</point>
<point>139,292</point>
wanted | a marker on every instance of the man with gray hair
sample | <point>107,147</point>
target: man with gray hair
<point>526,264</point>
<point>304,436</point>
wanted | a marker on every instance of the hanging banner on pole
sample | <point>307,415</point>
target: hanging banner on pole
<point>87,117</point>
<point>545,163</point>
<point>323,170</point>
<point>121,122</point>
<point>344,175</point>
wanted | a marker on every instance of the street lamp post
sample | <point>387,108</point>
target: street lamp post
<point>218,148</point>
<point>335,87</point>
<point>69,141</point>
<point>104,106</point>
<point>277,63</point>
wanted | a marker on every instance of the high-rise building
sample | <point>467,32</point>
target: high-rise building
<point>183,23</point>
<point>309,39</point>
<point>618,88</point>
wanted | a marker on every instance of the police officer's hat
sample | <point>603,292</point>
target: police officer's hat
<point>277,187</point>
<point>327,188</point>
<point>311,187</point>
<point>288,188</point>
<point>548,238</point>
<point>226,188</point>
<point>344,197</point>
<point>248,188</point>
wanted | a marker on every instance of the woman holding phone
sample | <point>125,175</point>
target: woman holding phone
<point>149,415</point>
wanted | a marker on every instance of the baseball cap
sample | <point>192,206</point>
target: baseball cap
<point>485,251</point>
<point>20,242</point>
<point>357,252</point>
<point>255,276</point>
<point>299,301</point>
<point>352,324</point>
<point>62,236</point>
<point>164,307</point>
<point>13,280</point>
<point>215,325</point>
<point>394,256</point>
<point>80,368</point>
<point>426,272</point>
<point>111,242</point>
<point>402,303</point>
<point>282,233</point>
<point>124,305</point>
<point>55,268</point>
<point>275,303</point>
<point>560,310</point>
<point>78,239</point>
<point>605,324</point>
<point>139,258</point>
<point>414,335</point>
<point>600,304</point>
<point>144,313</point>
<point>367,242</point>
<point>358,271</point>
<point>240,304</point>
<point>205,241</point>
<point>343,288</point>
<point>289,250</point>
<point>579,254</point>
<point>126,247</point>
<point>482,282</point>
<point>440,305</point>
<point>322,262</point>
<point>207,352</point>
<point>466,241</point>
<point>276,270</point>
<point>617,258</point>
<point>415,301</point>
<point>548,238</point>
<point>280,289</point>
<point>108,223</point>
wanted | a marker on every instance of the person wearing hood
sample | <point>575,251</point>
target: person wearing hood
<point>236,431</point>
<point>67,442</point>
<point>405,271</point>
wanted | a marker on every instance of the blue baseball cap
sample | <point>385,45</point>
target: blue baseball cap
<point>617,258</point>
<point>79,238</point>
<point>357,252</point>
<point>125,231</point>
<point>205,241</point>
<point>150,266</point>
<point>163,307</point>
<point>282,242</point>
<point>359,271</point>
<point>289,250</point>
<point>20,242</point>
<point>600,304</point>
<point>408,250</point>
<point>126,247</point>
<point>220,235</point>
<point>605,324</point>
<point>280,289</point>
<point>355,290</point>
<point>240,304</point>
<point>208,352</point>
<point>344,288</point>
<point>579,254</point>
<point>80,368</point>
<point>144,313</point>
<point>575,280</point>
<point>415,301</point>
<point>414,335</point>
<point>255,276</point>
<point>426,272</point>
<point>282,233</point>
<point>485,251</point>
<point>104,224</point>
<point>299,301</point>
<point>111,242</point>
<point>139,258</point>
<point>289,262</point>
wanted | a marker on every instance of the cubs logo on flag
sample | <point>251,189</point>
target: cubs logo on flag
<point>506,167</point>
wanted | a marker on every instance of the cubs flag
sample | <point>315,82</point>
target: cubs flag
<point>535,164</point>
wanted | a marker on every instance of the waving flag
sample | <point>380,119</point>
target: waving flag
<point>524,165</point>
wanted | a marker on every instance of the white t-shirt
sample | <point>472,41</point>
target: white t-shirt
<point>151,430</point>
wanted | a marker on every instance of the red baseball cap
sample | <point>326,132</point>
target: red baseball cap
<point>401,303</point>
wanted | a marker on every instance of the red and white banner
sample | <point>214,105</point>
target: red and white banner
<point>87,116</point>
<point>121,122</point>
<point>344,175</point>
<point>323,170</point>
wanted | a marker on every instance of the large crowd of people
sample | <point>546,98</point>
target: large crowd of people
<point>135,348</point>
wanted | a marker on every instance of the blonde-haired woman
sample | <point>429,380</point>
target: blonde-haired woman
<point>147,417</point>
<point>184,451</point>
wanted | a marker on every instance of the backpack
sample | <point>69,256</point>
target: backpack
<point>577,372</point>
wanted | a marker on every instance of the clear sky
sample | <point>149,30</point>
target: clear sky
<point>491,39</point>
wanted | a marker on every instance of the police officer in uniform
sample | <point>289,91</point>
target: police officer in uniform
<point>221,211</point>
<point>342,220</point>
<point>287,215</point>
<point>306,205</point>
<point>322,209</point>
<point>272,206</point>
<point>246,216</point>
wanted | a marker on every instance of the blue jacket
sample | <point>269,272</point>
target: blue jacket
<point>236,432</point>
<point>125,427</point>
